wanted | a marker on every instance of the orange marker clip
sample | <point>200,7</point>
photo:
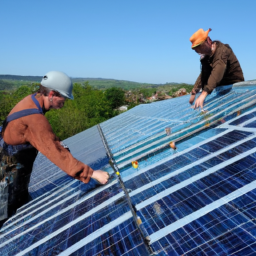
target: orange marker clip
<point>172,145</point>
<point>135,164</point>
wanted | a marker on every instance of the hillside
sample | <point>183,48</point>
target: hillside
<point>14,81</point>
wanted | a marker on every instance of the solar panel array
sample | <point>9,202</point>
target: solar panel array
<point>196,200</point>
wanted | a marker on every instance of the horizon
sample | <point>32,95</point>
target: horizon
<point>97,78</point>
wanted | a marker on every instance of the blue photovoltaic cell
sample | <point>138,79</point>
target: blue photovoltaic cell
<point>41,207</point>
<point>193,140</point>
<point>67,216</point>
<point>83,228</point>
<point>117,241</point>
<point>251,125</point>
<point>186,159</point>
<point>230,229</point>
<point>42,197</point>
<point>45,185</point>
<point>243,119</point>
<point>108,193</point>
<point>167,151</point>
<point>73,234</point>
<point>198,194</point>
<point>140,197</point>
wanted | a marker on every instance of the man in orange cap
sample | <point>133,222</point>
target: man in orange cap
<point>220,68</point>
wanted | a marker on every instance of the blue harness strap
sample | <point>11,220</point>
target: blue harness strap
<point>37,103</point>
<point>26,112</point>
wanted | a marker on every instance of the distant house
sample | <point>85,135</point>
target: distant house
<point>153,98</point>
<point>123,108</point>
<point>180,92</point>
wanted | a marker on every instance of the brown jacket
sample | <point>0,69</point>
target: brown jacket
<point>222,68</point>
<point>36,130</point>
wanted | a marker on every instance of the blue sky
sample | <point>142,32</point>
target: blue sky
<point>135,40</point>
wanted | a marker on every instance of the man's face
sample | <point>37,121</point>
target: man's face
<point>57,102</point>
<point>204,48</point>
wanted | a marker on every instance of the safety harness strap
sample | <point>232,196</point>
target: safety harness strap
<point>26,112</point>
<point>37,103</point>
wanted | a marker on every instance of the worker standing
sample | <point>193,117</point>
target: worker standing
<point>220,68</point>
<point>26,131</point>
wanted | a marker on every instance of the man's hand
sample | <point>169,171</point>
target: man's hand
<point>101,176</point>
<point>192,98</point>
<point>200,100</point>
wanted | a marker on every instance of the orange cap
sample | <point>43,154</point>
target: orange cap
<point>199,37</point>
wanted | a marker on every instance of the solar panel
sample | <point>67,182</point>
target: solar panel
<point>197,199</point>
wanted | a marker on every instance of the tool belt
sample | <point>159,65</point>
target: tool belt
<point>16,164</point>
<point>8,174</point>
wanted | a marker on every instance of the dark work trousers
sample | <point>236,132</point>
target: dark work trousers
<point>16,163</point>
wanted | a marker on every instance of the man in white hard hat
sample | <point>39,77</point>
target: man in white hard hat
<point>27,130</point>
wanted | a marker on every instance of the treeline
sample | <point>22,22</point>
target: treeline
<point>104,84</point>
<point>24,78</point>
<point>5,85</point>
<point>90,107</point>
<point>13,84</point>
<point>99,83</point>
<point>168,89</point>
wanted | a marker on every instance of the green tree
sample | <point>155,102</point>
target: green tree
<point>147,92</point>
<point>115,96</point>
<point>5,85</point>
<point>88,108</point>
<point>10,98</point>
<point>6,104</point>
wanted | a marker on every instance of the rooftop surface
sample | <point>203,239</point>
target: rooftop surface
<point>197,199</point>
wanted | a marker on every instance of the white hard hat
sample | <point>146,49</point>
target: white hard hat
<point>60,82</point>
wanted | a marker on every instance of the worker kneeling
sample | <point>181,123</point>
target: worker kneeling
<point>25,132</point>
